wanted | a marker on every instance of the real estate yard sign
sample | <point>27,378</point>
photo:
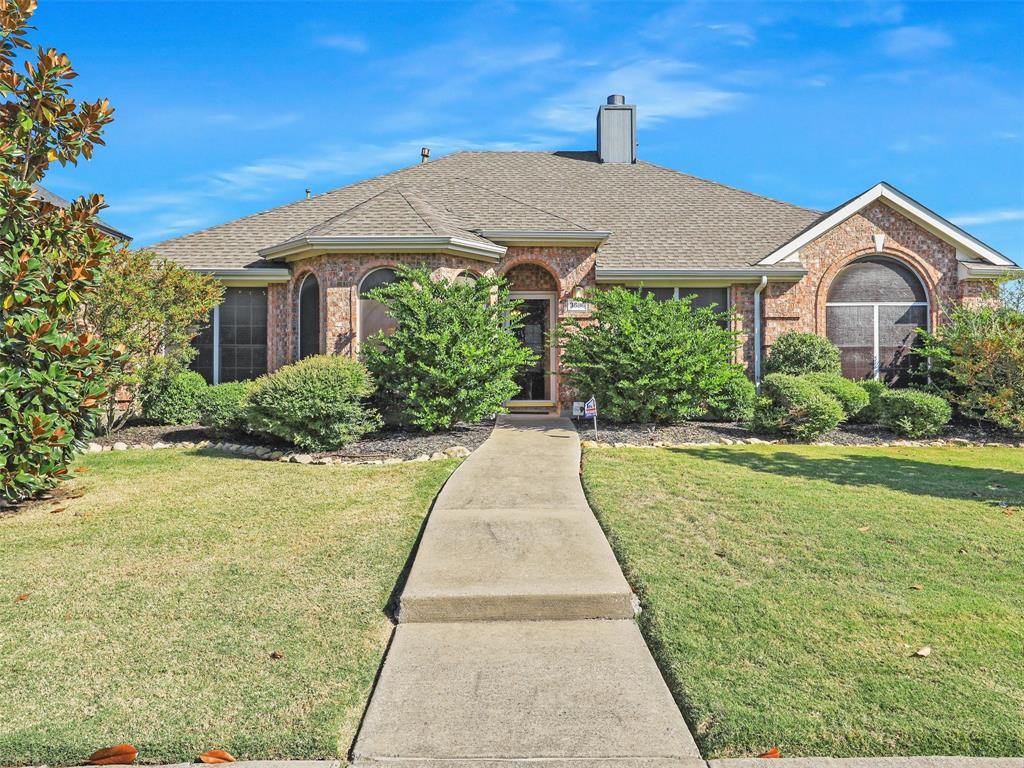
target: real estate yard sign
<point>590,411</point>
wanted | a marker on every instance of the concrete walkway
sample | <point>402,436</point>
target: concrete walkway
<point>516,643</point>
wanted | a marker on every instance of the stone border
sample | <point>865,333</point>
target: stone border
<point>264,453</point>
<point>956,442</point>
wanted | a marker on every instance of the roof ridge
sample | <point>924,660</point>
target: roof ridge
<point>409,196</point>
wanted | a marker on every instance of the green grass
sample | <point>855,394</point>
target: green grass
<point>778,587</point>
<point>156,600</point>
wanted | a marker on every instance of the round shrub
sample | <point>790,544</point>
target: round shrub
<point>849,394</point>
<point>913,413</point>
<point>796,407</point>
<point>799,353</point>
<point>870,413</point>
<point>318,404</point>
<point>222,407</point>
<point>171,395</point>
<point>735,400</point>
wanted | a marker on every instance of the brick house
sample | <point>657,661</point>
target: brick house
<point>554,224</point>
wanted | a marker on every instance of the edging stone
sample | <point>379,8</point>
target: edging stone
<point>957,442</point>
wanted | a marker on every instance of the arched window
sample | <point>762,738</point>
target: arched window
<point>466,277</point>
<point>373,317</point>
<point>308,323</point>
<point>873,311</point>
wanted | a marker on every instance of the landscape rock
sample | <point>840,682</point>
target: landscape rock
<point>437,456</point>
<point>457,452</point>
<point>94,448</point>
<point>301,458</point>
<point>421,457</point>
<point>119,446</point>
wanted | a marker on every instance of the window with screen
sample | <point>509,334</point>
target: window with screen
<point>309,317</point>
<point>373,316</point>
<point>701,297</point>
<point>202,363</point>
<point>243,334</point>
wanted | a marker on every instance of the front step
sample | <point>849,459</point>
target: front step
<point>551,694</point>
<point>548,407</point>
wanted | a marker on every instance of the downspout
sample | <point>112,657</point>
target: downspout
<point>758,332</point>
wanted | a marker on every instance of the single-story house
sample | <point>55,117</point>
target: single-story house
<point>865,274</point>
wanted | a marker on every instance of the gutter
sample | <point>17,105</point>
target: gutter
<point>606,275</point>
<point>758,331</point>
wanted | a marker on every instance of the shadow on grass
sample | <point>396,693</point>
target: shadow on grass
<point>918,478</point>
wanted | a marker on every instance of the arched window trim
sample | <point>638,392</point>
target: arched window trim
<point>360,299</point>
<point>876,367</point>
<point>298,314</point>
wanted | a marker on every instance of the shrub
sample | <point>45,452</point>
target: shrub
<point>735,400</point>
<point>171,394</point>
<point>453,356</point>
<point>221,407</point>
<point>317,404</point>
<point>977,362</point>
<point>794,406</point>
<point>849,394</point>
<point>913,413</point>
<point>871,413</point>
<point>52,374</point>
<point>645,360</point>
<point>799,353</point>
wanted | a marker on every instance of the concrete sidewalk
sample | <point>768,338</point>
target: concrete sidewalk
<point>516,643</point>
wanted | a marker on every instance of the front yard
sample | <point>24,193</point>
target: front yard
<point>787,588</point>
<point>154,602</point>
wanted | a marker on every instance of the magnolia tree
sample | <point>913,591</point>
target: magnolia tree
<point>52,375</point>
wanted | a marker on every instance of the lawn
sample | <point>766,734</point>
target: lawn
<point>787,588</point>
<point>156,600</point>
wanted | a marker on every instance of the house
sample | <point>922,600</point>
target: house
<point>554,224</point>
<point>42,193</point>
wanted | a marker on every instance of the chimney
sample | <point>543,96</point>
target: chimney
<point>616,131</point>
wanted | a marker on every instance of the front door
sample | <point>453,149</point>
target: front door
<point>535,381</point>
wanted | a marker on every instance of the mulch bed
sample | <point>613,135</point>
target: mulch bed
<point>713,432</point>
<point>386,444</point>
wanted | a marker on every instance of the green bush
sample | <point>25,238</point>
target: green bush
<point>849,394</point>
<point>799,353</point>
<point>318,404</point>
<point>735,400</point>
<point>872,412</point>
<point>796,407</point>
<point>453,356</point>
<point>645,360</point>
<point>913,413</point>
<point>222,406</point>
<point>171,394</point>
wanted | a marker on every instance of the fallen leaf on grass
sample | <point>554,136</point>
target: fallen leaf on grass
<point>82,469</point>
<point>57,510</point>
<point>864,529</point>
<point>122,754</point>
<point>773,752</point>
<point>922,652</point>
<point>217,756</point>
<point>19,598</point>
<point>917,586</point>
<point>276,655</point>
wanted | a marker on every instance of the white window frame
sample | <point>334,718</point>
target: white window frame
<point>876,362</point>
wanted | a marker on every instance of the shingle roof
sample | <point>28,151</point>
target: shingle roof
<point>659,218</point>
<point>42,193</point>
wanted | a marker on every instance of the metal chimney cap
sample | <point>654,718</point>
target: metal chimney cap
<point>617,99</point>
<point>424,154</point>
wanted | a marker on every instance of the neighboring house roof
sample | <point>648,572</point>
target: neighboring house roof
<point>646,216</point>
<point>42,193</point>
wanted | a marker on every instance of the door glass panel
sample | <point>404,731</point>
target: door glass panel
<point>533,380</point>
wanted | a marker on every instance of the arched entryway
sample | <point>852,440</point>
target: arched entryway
<point>537,291</point>
<point>308,317</point>
<point>373,316</point>
<point>874,308</point>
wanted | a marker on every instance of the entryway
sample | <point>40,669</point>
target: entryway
<point>538,385</point>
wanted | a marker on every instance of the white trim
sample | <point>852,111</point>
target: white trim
<point>906,205</point>
<point>876,362</point>
<point>215,375</point>
<point>758,331</point>
<point>254,276</point>
<point>972,270</point>
<point>569,237</point>
<point>695,276</point>
<point>876,304</point>
<point>455,246</point>
<point>552,297</point>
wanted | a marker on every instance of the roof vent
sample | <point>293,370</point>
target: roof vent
<point>616,131</point>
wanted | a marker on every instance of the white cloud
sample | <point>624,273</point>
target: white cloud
<point>996,216</point>
<point>341,42</point>
<point>662,88</point>
<point>737,33</point>
<point>913,41</point>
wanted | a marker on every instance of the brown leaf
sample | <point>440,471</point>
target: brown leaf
<point>82,469</point>
<point>773,752</point>
<point>122,754</point>
<point>57,510</point>
<point>19,598</point>
<point>276,655</point>
<point>217,756</point>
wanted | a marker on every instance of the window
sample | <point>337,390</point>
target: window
<point>465,277</point>
<point>234,346</point>
<point>308,321</point>
<point>701,297</point>
<point>873,311</point>
<point>373,317</point>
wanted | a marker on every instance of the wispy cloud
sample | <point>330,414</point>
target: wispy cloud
<point>996,216</point>
<point>666,88</point>
<point>343,42</point>
<point>735,32</point>
<point>904,42</point>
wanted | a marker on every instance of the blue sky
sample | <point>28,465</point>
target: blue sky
<point>225,109</point>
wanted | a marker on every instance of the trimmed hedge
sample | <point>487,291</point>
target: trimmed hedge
<point>796,407</point>
<point>222,406</point>
<point>913,413</point>
<point>851,395</point>
<point>797,354</point>
<point>735,400</point>
<point>872,412</point>
<point>170,394</point>
<point>317,404</point>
